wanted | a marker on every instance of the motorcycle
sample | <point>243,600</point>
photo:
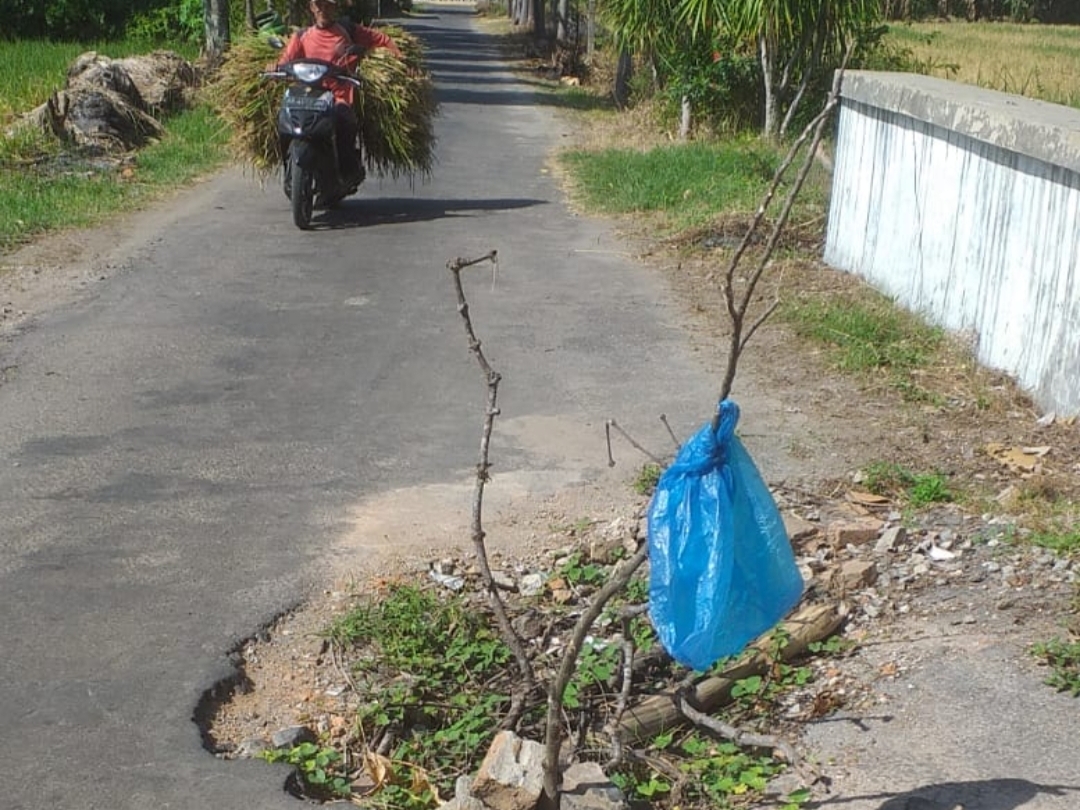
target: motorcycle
<point>308,137</point>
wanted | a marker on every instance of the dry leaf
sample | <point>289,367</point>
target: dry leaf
<point>1019,459</point>
<point>378,767</point>
<point>867,498</point>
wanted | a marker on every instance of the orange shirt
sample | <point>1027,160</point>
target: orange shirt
<point>331,45</point>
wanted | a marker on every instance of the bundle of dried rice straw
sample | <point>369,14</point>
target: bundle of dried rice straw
<point>396,106</point>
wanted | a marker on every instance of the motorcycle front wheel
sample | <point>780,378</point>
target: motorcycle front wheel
<point>302,195</point>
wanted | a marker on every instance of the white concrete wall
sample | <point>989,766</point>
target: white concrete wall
<point>977,237</point>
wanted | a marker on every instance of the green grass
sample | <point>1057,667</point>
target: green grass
<point>865,335</point>
<point>69,192</point>
<point>1063,542</point>
<point>690,183</point>
<point>896,481</point>
<point>1063,658</point>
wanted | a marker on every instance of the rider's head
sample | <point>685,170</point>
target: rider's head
<point>324,12</point>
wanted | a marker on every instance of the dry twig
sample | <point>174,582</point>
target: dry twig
<point>738,305</point>
<point>483,466</point>
<point>557,688</point>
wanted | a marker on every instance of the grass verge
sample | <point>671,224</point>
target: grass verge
<point>64,191</point>
<point>689,185</point>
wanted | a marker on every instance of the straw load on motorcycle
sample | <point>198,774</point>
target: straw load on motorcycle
<point>286,114</point>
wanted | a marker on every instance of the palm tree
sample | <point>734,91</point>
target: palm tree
<point>796,41</point>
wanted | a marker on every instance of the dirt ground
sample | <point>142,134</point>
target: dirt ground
<point>926,732</point>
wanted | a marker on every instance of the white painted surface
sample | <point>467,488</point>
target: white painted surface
<point>976,238</point>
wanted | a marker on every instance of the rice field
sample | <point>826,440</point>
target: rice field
<point>1038,61</point>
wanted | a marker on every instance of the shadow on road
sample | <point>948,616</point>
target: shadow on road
<point>402,210</point>
<point>986,794</point>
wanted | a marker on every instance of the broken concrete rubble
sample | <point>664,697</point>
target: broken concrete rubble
<point>511,777</point>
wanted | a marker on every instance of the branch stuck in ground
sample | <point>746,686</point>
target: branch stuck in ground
<point>483,466</point>
<point>737,306</point>
<point>552,735</point>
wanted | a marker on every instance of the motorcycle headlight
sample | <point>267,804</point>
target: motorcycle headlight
<point>309,72</point>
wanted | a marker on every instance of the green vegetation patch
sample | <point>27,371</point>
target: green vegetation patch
<point>70,191</point>
<point>895,481</point>
<point>435,674</point>
<point>690,183</point>
<point>1063,658</point>
<point>867,334</point>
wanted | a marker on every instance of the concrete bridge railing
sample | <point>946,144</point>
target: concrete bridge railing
<point>963,205</point>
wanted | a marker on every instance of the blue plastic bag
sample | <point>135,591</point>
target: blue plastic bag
<point>721,568</point>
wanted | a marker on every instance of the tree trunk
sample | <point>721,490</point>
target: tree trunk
<point>651,715</point>
<point>684,119</point>
<point>539,27</point>
<point>768,69</point>
<point>590,31</point>
<point>562,33</point>
<point>249,14</point>
<point>216,26</point>
<point>624,71</point>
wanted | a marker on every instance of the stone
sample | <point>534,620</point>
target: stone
<point>511,777</point>
<point>798,529</point>
<point>292,736</point>
<point>853,532</point>
<point>251,748</point>
<point>463,798</point>
<point>855,575</point>
<point>890,539</point>
<point>585,786</point>
<point>532,584</point>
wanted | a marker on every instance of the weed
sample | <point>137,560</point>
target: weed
<point>429,662</point>
<point>893,480</point>
<point>886,478</point>
<point>1064,661</point>
<point>718,773</point>
<point>596,667</point>
<point>320,768</point>
<point>647,478</point>
<point>927,489</point>
<point>578,573</point>
<point>1067,542</point>
<point>833,645</point>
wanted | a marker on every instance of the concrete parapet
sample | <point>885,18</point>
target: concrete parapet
<point>963,204</point>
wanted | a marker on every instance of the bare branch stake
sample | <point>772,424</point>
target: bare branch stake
<point>738,305</point>
<point>619,578</point>
<point>483,465</point>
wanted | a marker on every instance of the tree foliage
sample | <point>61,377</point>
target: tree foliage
<point>157,21</point>
<point>796,44</point>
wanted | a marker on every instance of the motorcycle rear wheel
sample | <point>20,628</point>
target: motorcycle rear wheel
<point>302,196</point>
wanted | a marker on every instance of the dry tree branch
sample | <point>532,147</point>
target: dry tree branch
<point>557,687</point>
<point>737,306</point>
<point>610,425</point>
<point>671,433</point>
<point>729,732</point>
<point>626,616</point>
<point>483,465</point>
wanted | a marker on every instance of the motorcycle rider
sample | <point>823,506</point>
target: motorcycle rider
<point>343,43</point>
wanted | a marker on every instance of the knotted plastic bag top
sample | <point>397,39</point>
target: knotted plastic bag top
<point>721,568</point>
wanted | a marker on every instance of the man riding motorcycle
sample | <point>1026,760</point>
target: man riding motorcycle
<point>343,43</point>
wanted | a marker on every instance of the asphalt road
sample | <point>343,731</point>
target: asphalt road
<point>181,441</point>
